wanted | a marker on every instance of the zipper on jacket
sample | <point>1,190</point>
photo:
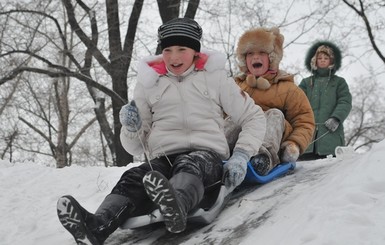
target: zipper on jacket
<point>186,127</point>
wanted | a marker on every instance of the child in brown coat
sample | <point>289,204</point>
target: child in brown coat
<point>290,121</point>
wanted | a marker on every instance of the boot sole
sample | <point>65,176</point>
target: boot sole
<point>162,194</point>
<point>69,213</point>
<point>262,166</point>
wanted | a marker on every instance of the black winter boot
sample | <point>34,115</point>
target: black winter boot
<point>93,229</point>
<point>261,164</point>
<point>175,198</point>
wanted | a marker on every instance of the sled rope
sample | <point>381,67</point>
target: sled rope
<point>147,152</point>
<point>317,124</point>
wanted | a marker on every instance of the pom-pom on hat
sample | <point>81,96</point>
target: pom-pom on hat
<point>181,32</point>
<point>268,40</point>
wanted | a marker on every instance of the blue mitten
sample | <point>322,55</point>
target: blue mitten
<point>332,124</point>
<point>130,118</point>
<point>235,169</point>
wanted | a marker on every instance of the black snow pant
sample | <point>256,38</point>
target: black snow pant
<point>206,165</point>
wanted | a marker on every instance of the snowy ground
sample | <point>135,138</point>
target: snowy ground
<point>329,201</point>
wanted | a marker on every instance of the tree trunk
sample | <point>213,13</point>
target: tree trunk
<point>120,87</point>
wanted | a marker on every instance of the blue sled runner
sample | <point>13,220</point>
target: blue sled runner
<point>210,207</point>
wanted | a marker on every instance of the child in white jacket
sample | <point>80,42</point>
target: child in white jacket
<point>177,120</point>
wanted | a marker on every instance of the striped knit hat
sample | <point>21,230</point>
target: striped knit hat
<point>181,32</point>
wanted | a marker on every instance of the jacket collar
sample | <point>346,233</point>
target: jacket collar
<point>188,71</point>
<point>324,72</point>
<point>152,67</point>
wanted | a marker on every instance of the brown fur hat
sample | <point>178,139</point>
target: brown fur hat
<point>267,40</point>
<point>326,50</point>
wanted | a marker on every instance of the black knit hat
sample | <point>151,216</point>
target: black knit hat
<point>181,32</point>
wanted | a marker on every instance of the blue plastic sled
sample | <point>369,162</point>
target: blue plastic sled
<point>278,171</point>
<point>206,214</point>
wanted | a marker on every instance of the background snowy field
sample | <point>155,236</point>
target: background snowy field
<point>330,201</point>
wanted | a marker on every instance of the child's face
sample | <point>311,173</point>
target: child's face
<point>178,58</point>
<point>257,63</point>
<point>323,60</point>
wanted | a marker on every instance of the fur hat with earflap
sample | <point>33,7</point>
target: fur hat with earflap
<point>267,40</point>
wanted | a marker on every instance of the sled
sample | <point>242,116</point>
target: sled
<point>215,199</point>
<point>253,178</point>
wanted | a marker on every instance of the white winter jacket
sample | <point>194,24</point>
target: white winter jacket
<point>186,113</point>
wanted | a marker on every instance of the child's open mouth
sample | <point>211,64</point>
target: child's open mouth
<point>257,65</point>
<point>176,65</point>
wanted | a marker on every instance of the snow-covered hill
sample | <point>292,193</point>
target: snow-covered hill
<point>329,201</point>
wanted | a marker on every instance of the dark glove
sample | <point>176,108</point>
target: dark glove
<point>332,124</point>
<point>130,118</point>
<point>235,169</point>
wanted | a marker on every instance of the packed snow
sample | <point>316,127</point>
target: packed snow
<point>329,201</point>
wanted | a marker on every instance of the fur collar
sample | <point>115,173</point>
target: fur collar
<point>152,67</point>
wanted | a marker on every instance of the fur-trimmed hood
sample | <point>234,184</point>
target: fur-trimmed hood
<point>268,40</point>
<point>327,47</point>
<point>152,67</point>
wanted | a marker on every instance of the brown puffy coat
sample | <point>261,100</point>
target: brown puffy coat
<point>284,95</point>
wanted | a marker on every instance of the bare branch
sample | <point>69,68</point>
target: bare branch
<point>64,72</point>
<point>362,14</point>
<point>52,145</point>
<point>84,38</point>
<point>55,21</point>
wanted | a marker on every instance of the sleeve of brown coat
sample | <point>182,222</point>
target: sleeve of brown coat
<point>299,117</point>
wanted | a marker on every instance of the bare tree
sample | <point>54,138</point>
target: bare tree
<point>366,122</point>
<point>361,11</point>
<point>8,137</point>
<point>115,61</point>
<point>62,72</point>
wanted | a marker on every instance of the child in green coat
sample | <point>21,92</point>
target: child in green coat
<point>329,97</point>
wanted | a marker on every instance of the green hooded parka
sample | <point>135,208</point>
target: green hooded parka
<point>329,96</point>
